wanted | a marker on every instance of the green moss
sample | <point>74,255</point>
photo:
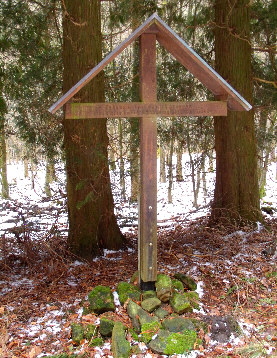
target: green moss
<point>134,334</point>
<point>148,294</point>
<point>178,343</point>
<point>101,299</point>
<point>148,330</point>
<point>77,333</point>
<point>193,298</point>
<point>187,281</point>
<point>96,342</point>
<point>180,303</point>
<point>106,327</point>
<point>126,290</point>
<point>90,331</point>
<point>177,286</point>
<point>120,346</point>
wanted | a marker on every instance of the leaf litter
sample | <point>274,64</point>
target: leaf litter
<point>43,288</point>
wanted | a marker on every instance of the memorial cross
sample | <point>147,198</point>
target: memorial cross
<point>152,30</point>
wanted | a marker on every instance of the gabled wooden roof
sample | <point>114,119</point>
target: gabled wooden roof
<point>181,51</point>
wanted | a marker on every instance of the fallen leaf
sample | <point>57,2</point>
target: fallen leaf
<point>2,310</point>
<point>34,352</point>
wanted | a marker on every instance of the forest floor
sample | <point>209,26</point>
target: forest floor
<point>43,287</point>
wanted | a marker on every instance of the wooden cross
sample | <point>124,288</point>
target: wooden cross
<point>148,110</point>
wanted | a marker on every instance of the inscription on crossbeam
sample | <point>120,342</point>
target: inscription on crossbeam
<point>138,109</point>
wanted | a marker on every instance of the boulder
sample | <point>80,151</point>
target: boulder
<point>173,343</point>
<point>138,316</point>
<point>193,298</point>
<point>161,313</point>
<point>151,304</point>
<point>177,286</point>
<point>101,299</point>
<point>221,327</point>
<point>120,346</point>
<point>187,281</point>
<point>90,331</point>
<point>148,294</point>
<point>106,327</point>
<point>126,290</point>
<point>96,342</point>
<point>163,287</point>
<point>180,303</point>
<point>177,324</point>
<point>77,333</point>
<point>148,330</point>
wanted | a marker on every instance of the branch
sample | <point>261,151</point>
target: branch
<point>273,83</point>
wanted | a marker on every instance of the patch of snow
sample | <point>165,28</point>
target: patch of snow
<point>116,298</point>
<point>200,289</point>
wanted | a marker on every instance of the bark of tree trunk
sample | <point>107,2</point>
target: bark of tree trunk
<point>92,223</point>
<point>3,165</point>
<point>236,195</point>
<point>162,163</point>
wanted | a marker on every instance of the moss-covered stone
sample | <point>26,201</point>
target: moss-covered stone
<point>106,327</point>
<point>177,324</point>
<point>148,330</point>
<point>148,294</point>
<point>77,333</point>
<point>96,342</point>
<point>174,343</point>
<point>163,287</point>
<point>90,331</point>
<point>187,281</point>
<point>138,316</point>
<point>126,290</point>
<point>158,345</point>
<point>101,299</point>
<point>161,313</point>
<point>180,303</point>
<point>120,346</point>
<point>180,343</point>
<point>177,286</point>
<point>193,298</point>
<point>151,304</point>
<point>135,278</point>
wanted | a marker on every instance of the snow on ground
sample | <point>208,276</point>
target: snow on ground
<point>31,206</point>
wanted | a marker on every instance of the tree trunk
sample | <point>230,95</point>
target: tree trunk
<point>92,223</point>
<point>3,165</point>
<point>134,122</point>
<point>170,168</point>
<point>179,168</point>
<point>236,195</point>
<point>162,164</point>
<point>121,160</point>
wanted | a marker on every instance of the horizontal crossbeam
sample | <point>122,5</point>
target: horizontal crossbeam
<point>139,109</point>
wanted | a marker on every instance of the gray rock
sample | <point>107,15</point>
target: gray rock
<point>177,324</point>
<point>120,346</point>
<point>101,299</point>
<point>151,304</point>
<point>138,316</point>
<point>187,281</point>
<point>221,327</point>
<point>148,294</point>
<point>161,313</point>
<point>163,287</point>
<point>180,303</point>
<point>106,327</point>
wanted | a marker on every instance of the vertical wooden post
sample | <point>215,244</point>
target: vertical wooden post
<point>148,166</point>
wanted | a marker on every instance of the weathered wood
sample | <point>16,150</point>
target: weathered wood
<point>180,50</point>
<point>138,109</point>
<point>199,68</point>
<point>148,164</point>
